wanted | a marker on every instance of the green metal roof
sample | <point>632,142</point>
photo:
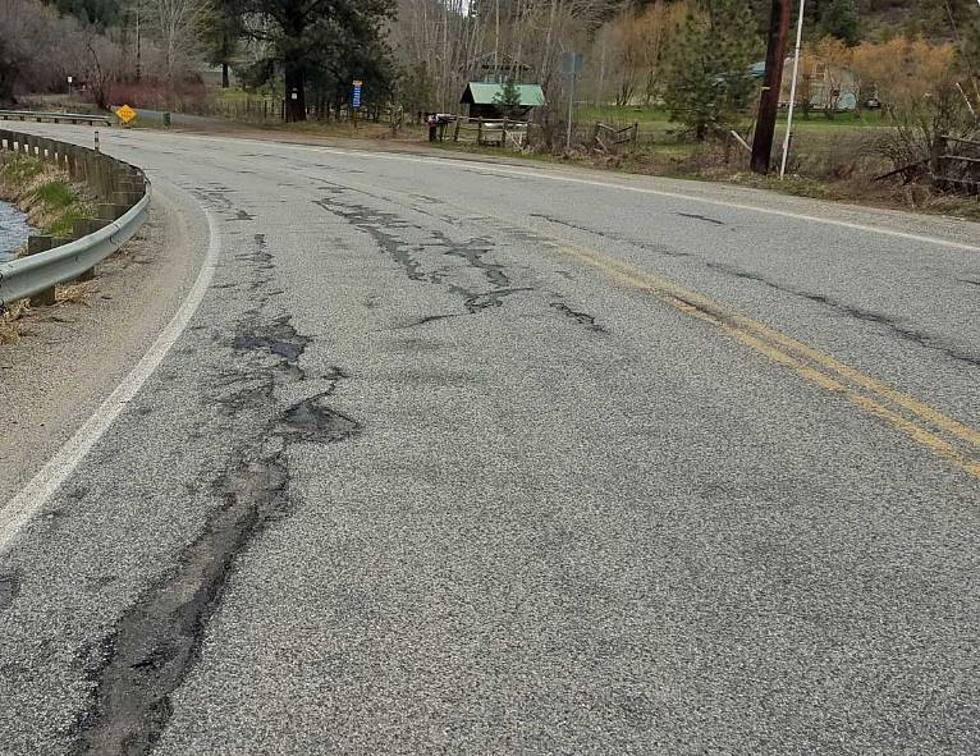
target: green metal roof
<point>481,93</point>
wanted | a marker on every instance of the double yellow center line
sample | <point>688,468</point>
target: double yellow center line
<point>930,428</point>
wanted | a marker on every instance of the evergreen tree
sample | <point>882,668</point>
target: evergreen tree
<point>221,31</point>
<point>508,99</point>
<point>101,12</point>
<point>707,84</point>
<point>318,39</point>
<point>839,19</point>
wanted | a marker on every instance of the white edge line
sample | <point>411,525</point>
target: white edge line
<point>21,508</point>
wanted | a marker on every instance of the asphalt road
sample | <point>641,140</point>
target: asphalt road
<point>485,458</point>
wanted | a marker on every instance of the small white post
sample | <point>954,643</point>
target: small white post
<point>792,93</point>
<point>571,100</point>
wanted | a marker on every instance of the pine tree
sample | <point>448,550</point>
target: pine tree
<point>508,99</point>
<point>707,84</point>
<point>222,27</point>
<point>325,42</point>
<point>840,19</point>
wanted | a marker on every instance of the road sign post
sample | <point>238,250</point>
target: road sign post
<point>571,65</point>
<point>125,114</point>
<point>355,99</point>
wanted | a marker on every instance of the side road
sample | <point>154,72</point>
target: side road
<point>73,354</point>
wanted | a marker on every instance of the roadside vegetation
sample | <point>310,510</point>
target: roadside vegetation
<point>882,83</point>
<point>52,204</point>
<point>50,200</point>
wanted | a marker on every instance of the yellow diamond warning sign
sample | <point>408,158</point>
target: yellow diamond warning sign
<point>125,113</point>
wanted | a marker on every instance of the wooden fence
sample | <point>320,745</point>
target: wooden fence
<point>502,132</point>
<point>606,138</point>
<point>956,164</point>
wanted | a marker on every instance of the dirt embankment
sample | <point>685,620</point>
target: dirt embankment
<point>52,204</point>
<point>45,194</point>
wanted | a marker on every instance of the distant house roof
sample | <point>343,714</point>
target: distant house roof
<point>480,93</point>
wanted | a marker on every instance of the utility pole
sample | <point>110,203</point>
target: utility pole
<point>765,125</point>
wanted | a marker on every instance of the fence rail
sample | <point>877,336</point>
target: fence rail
<point>124,200</point>
<point>605,137</point>
<point>33,115</point>
<point>958,170</point>
<point>500,132</point>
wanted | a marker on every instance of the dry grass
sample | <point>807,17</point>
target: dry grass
<point>75,293</point>
<point>12,319</point>
<point>835,165</point>
<point>9,322</point>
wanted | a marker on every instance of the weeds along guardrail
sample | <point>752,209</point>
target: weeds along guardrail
<point>123,195</point>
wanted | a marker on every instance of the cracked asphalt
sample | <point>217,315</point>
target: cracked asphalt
<point>492,458</point>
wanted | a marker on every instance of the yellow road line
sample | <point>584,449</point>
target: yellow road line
<point>793,354</point>
<point>804,360</point>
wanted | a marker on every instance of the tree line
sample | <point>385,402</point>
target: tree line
<point>689,56</point>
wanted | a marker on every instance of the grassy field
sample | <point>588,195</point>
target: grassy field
<point>831,159</point>
<point>822,147</point>
<point>655,120</point>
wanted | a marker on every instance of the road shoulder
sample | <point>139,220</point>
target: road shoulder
<point>72,355</point>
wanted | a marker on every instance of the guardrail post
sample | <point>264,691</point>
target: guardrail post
<point>37,244</point>
<point>81,228</point>
<point>76,163</point>
<point>106,178</point>
<point>110,212</point>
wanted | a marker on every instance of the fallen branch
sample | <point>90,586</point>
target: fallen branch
<point>738,138</point>
<point>904,170</point>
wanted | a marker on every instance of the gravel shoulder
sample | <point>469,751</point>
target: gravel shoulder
<point>72,355</point>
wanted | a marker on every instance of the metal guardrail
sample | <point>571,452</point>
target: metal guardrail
<point>24,115</point>
<point>122,188</point>
<point>27,276</point>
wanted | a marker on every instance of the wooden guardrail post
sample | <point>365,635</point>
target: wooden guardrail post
<point>118,187</point>
<point>81,228</point>
<point>37,244</point>
<point>111,212</point>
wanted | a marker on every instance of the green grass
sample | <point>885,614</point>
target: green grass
<point>236,94</point>
<point>53,204</point>
<point>61,206</point>
<point>655,121</point>
<point>20,170</point>
<point>56,195</point>
<point>62,224</point>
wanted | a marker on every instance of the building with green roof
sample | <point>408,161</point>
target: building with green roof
<point>482,98</point>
